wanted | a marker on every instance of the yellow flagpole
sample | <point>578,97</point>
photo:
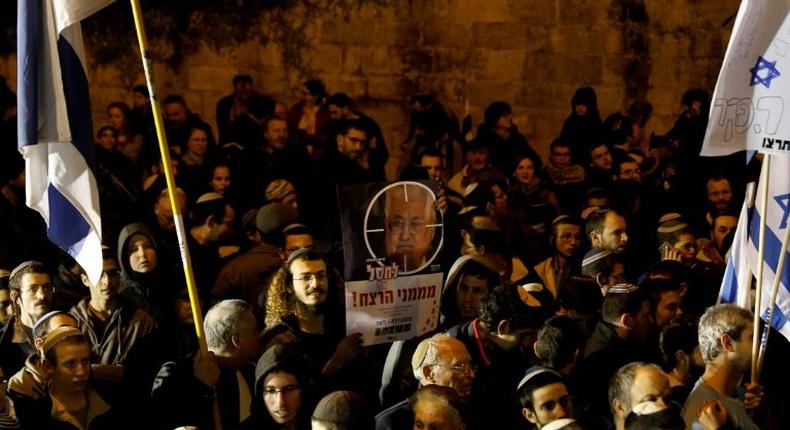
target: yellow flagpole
<point>164,149</point>
<point>197,314</point>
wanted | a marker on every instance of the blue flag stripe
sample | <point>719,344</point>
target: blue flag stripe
<point>71,228</point>
<point>75,88</point>
<point>773,245</point>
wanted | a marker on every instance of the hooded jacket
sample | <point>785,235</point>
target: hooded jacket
<point>283,358</point>
<point>449,309</point>
<point>147,291</point>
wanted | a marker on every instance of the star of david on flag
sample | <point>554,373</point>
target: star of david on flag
<point>764,72</point>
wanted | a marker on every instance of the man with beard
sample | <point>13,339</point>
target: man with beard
<point>305,307</point>
<point>725,340</point>
<point>682,358</point>
<point>566,238</point>
<point>439,360</point>
<point>31,291</point>
<point>606,229</point>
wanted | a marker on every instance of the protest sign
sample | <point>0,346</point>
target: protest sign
<point>392,240</point>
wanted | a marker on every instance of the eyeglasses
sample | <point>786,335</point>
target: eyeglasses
<point>287,390</point>
<point>415,226</point>
<point>459,367</point>
<point>34,289</point>
<point>307,277</point>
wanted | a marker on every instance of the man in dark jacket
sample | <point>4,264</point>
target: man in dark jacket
<point>186,392</point>
<point>111,322</point>
<point>284,382</point>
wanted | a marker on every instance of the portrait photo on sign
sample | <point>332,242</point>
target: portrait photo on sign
<point>404,227</point>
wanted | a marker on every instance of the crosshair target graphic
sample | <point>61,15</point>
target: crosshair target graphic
<point>404,226</point>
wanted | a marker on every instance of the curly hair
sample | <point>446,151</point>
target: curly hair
<point>281,301</point>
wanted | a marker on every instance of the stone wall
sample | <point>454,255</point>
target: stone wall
<point>531,53</point>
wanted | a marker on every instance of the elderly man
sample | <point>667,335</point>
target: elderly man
<point>184,392</point>
<point>409,217</point>
<point>635,383</point>
<point>725,340</point>
<point>439,360</point>
<point>31,291</point>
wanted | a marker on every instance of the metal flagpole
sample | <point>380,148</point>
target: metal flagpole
<point>197,314</point>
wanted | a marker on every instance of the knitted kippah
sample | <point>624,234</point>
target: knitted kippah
<point>595,255</point>
<point>278,189</point>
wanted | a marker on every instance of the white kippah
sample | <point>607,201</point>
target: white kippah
<point>622,289</point>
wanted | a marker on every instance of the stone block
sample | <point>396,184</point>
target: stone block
<point>540,13</point>
<point>505,64</point>
<point>482,92</point>
<point>612,70</point>
<point>270,54</point>
<point>385,88</point>
<point>481,11</point>
<point>610,99</point>
<point>438,33</point>
<point>499,35</point>
<point>578,39</point>
<point>325,57</point>
<point>584,12</point>
<point>210,77</point>
<point>579,69</point>
<point>446,60</point>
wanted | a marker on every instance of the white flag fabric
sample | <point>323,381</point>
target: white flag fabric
<point>54,125</point>
<point>750,109</point>
<point>743,262</point>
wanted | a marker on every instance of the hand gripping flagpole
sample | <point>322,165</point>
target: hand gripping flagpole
<point>766,170</point>
<point>197,314</point>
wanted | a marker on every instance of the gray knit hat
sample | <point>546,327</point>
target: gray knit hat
<point>273,217</point>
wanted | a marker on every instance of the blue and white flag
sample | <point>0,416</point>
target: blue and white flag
<point>735,286</point>
<point>750,108</point>
<point>55,130</point>
<point>737,281</point>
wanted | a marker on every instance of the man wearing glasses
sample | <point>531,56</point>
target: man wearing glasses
<point>409,225</point>
<point>112,323</point>
<point>31,291</point>
<point>439,360</point>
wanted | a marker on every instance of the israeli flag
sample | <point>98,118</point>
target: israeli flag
<point>55,130</point>
<point>737,281</point>
<point>736,286</point>
<point>750,109</point>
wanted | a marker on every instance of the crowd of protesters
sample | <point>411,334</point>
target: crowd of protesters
<point>580,290</point>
